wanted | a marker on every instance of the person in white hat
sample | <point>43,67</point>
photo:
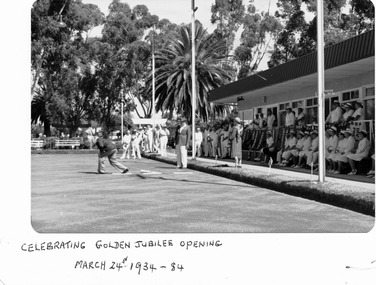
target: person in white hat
<point>126,144</point>
<point>283,150</point>
<point>313,153</point>
<point>333,157</point>
<point>297,148</point>
<point>290,118</point>
<point>332,146</point>
<point>349,111</point>
<point>336,114</point>
<point>236,139</point>
<point>361,152</point>
<point>349,144</point>
<point>358,114</point>
<point>163,138</point>
<point>306,147</point>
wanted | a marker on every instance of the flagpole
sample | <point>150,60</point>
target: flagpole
<point>153,80</point>
<point>193,80</point>
<point>321,88</point>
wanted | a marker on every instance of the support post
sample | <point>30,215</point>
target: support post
<point>321,88</point>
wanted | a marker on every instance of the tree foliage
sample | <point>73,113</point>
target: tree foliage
<point>259,31</point>
<point>342,19</point>
<point>174,77</point>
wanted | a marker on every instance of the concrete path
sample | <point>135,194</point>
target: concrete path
<point>68,196</point>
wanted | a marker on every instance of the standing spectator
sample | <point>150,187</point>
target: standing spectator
<point>256,122</point>
<point>198,142</point>
<point>300,118</point>
<point>163,138</point>
<point>361,152</point>
<point>224,141</point>
<point>135,143</point>
<point>156,139</point>
<point>335,115</point>
<point>149,138</point>
<point>358,114</point>
<point>107,149</point>
<point>91,136</point>
<point>290,118</point>
<point>213,138</point>
<point>270,120</point>
<point>236,138</point>
<point>262,122</point>
<point>182,144</point>
<point>349,111</point>
<point>205,141</point>
<point>126,144</point>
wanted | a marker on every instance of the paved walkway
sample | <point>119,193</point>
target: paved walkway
<point>68,196</point>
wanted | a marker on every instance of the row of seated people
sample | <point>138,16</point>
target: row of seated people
<point>300,150</point>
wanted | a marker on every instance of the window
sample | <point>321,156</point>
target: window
<point>297,104</point>
<point>283,106</point>
<point>370,92</point>
<point>350,95</point>
<point>312,102</point>
<point>369,109</point>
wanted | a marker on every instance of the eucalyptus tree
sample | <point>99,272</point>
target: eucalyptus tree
<point>123,57</point>
<point>227,15</point>
<point>173,74</point>
<point>260,30</point>
<point>342,19</point>
<point>57,53</point>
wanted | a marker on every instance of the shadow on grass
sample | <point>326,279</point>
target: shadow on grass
<point>202,182</point>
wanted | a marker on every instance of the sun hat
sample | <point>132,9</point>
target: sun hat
<point>314,132</point>
<point>237,119</point>
<point>364,132</point>
<point>347,131</point>
<point>333,128</point>
<point>359,103</point>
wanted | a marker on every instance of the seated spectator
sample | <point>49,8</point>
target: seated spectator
<point>282,150</point>
<point>335,115</point>
<point>290,118</point>
<point>306,147</point>
<point>313,152</point>
<point>270,118</point>
<point>332,146</point>
<point>269,150</point>
<point>301,118</point>
<point>341,158</point>
<point>358,114</point>
<point>361,152</point>
<point>347,115</point>
<point>371,173</point>
<point>340,150</point>
<point>287,153</point>
<point>297,148</point>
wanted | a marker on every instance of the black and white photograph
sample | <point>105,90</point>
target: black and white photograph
<point>188,142</point>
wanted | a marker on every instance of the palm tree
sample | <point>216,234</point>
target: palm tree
<point>173,74</point>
